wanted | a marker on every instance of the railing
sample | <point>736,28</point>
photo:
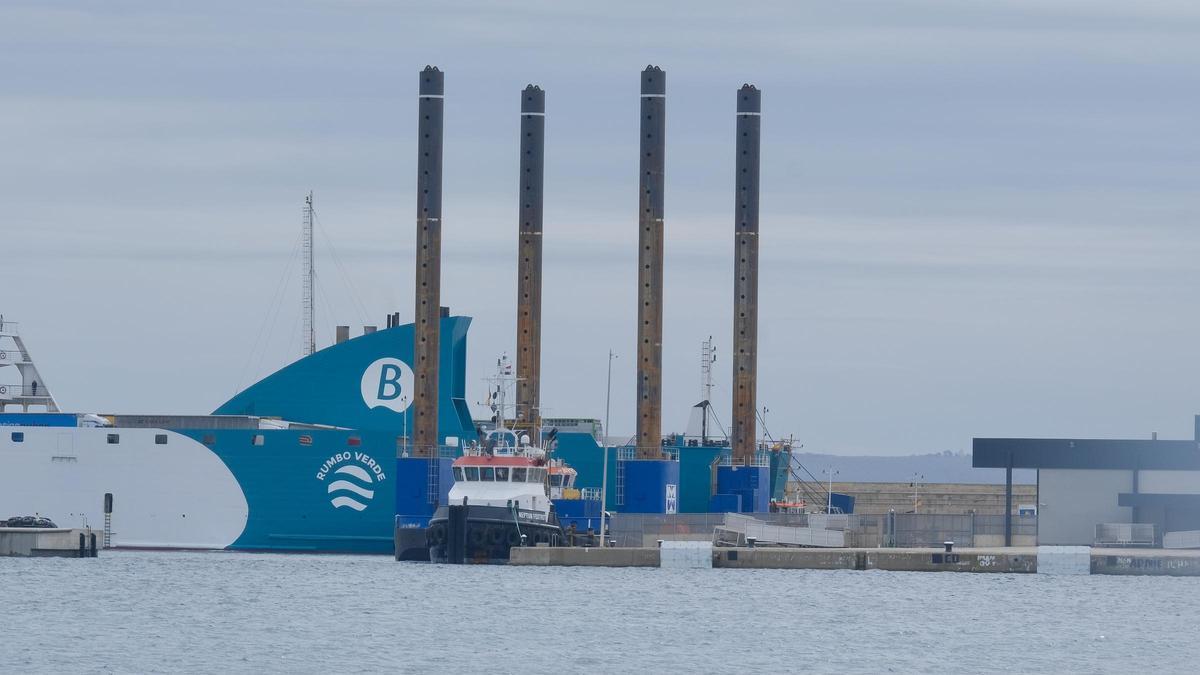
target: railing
<point>590,493</point>
<point>11,356</point>
<point>761,458</point>
<point>24,391</point>
<point>1124,534</point>
<point>9,327</point>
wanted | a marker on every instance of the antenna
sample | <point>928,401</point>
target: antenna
<point>308,337</point>
<point>708,356</point>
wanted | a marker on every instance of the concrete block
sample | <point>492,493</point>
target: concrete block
<point>1183,539</point>
<point>1064,560</point>
<point>686,555</point>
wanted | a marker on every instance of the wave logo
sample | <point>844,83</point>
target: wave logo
<point>353,478</point>
<point>388,383</point>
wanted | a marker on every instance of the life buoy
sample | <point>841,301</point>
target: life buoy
<point>3,389</point>
<point>495,535</point>
<point>476,535</point>
<point>437,534</point>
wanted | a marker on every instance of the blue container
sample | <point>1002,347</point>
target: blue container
<point>840,501</point>
<point>651,486</point>
<point>751,483</point>
<point>583,513</point>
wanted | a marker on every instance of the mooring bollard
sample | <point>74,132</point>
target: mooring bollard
<point>949,545</point>
<point>660,543</point>
<point>750,541</point>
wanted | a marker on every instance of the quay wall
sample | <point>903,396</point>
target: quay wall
<point>42,542</point>
<point>1012,560</point>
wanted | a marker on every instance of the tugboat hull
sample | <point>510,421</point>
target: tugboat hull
<point>484,534</point>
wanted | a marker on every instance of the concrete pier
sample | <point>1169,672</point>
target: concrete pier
<point>1011,560</point>
<point>36,542</point>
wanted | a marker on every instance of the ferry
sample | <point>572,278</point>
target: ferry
<point>308,459</point>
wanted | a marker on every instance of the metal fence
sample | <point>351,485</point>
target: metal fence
<point>920,530</point>
<point>1124,534</point>
<point>899,530</point>
<point>641,529</point>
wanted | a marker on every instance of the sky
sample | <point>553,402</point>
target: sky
<point>978,218</point>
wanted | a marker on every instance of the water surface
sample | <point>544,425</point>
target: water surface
<point>234,612</point>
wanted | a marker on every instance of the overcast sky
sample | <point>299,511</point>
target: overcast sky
<point>978,218</point>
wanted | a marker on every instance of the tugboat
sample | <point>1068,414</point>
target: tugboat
<point>499,498</point>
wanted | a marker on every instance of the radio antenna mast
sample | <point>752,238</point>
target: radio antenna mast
<point>308,337</point>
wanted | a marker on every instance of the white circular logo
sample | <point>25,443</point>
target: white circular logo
<point>388,383</point>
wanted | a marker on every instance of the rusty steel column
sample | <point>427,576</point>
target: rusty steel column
<point>426,333</point>
<point>745,275</point>
<point>650,263</point>
<point>529,267</point>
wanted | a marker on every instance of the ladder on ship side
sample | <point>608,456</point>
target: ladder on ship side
<point>433,492</point>
<point>623,455</point>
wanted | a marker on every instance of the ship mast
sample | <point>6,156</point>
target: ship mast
<point>308,336</point>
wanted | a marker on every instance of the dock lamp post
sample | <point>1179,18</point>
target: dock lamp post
<point>916,486</point>
<point>604,472</point>
<point>829,492</point>
<point>403,401</point>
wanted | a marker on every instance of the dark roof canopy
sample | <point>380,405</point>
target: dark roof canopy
<point>1065,453</point>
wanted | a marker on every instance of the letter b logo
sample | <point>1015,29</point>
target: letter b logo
<point>388,383</point>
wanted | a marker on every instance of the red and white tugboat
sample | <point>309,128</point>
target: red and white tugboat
<point>499,499</point>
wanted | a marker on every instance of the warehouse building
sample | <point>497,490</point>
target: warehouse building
<point>1100,491</point>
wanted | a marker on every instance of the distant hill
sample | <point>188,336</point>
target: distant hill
<point>946,467</point>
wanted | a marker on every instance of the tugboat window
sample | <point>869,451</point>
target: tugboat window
<point>519,475</point>
<point>502,473</point>
<point>458,473</point>
<point>113,439</point>
<point>18,437</point>
<point>472,473</point>
<point>487,473</point>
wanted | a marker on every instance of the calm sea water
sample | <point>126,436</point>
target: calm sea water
<point>231,612</point>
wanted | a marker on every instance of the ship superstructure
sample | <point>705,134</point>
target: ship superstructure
<point>29,388</point>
